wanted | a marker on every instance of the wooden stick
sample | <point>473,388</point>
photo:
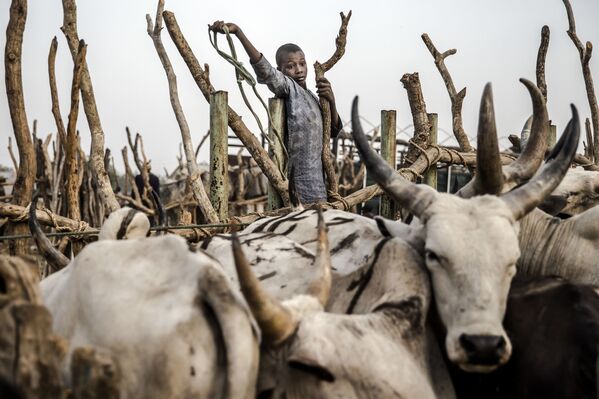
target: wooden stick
<point>585,53</point>
<point>54,92</point>
<point>194,173</point>
<point>23,187</point>
<point>129,176</point>
<point>72,166</point>
<point>389,154</point>
<point>320,69</point>
<point>69,28</point>
<point>422,126</point>
<point>141,164</point>
<point>248,139</point>
<point>541,56</point>
<point>457,98</point>
<point>219,190</point>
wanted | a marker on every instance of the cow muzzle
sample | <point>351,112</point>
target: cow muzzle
<point>478,352</point>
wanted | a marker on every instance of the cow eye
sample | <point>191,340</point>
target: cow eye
<point>430,256</point>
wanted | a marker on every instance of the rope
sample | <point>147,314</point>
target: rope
<point>242,74</point>
<point>337,197</point>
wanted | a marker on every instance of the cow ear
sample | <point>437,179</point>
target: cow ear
<point>312,367</point>
<point>392,228</point>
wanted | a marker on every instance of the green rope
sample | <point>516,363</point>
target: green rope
<point>242,74</point>
<point>96,232</point>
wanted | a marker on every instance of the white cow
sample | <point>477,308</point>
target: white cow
<point>166,316</point>
<point>470,246</point>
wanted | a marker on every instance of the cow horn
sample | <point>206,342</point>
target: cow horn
<point>415,197</point>
<point>533,152</point>
<point>489,176</point>
<point>55,258</point>
<point>275,321</point>
<point>321,286</point>
<point>523,199</point>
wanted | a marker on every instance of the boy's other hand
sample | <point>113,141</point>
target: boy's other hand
<point>219,27</point>
<point>324,90</point>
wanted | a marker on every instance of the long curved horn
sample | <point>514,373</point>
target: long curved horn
<point>415,197</point>
<point>489,175</point>
<point>55,258</point>
<point>321,286</point>
<point>275,321</point>
<point>533,152</point>
<point>525,133</point>
<point>523,199</point>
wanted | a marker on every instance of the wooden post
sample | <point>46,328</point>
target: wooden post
<point>388,153</point>
<point>219,192</point>
<point>276,107</point>
<point>430,177</point>
<point>552,136</point>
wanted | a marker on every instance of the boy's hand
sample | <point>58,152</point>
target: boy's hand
<point>219,27</point>
<point>324,90</point>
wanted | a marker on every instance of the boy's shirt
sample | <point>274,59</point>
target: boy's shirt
<point>304,131</point>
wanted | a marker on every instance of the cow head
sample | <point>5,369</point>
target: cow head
<point>471,245</point>
<point>307,352</point>
<point>578,192</point>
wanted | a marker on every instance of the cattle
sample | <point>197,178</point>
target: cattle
<point>470,246</point>
<point>554,328</point>
<point>307,352</point>
<point>165,315</point>
<point>549,245</point>
<point>578,192</point>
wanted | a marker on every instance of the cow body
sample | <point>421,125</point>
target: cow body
<point>167,317</point>
<point>554,327</point>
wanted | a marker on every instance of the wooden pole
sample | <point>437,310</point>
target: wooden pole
<point>276,152</point>
<point>388,153</point>
<point>23,187</point>
<point>430,177</point>
<point>219,154</point>
<point>552,136</point>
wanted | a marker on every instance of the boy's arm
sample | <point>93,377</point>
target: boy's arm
<point>278,83</point>
<point>324,90</point>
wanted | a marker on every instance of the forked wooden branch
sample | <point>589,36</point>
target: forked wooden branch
<point>585,53</point>
<point>69,28</point>
<point>320,69</point>
<point>192,167</point>
<point>457,98</point>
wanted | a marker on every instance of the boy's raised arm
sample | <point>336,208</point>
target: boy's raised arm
<point>252,52</point>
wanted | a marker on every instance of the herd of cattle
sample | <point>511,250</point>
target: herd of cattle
<point>335,305</point>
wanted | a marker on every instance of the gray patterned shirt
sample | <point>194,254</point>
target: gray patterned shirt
<point>304,131</point>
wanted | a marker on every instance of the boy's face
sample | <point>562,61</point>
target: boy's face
<point>293,64</point>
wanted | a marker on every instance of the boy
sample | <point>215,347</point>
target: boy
<point>304,119</point>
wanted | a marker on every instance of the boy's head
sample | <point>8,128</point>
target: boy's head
<point>291,61</point>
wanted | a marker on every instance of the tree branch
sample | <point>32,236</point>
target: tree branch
<point>23,187</point>
<point>541,56</point>
<point>585,53</point>
<point>457,99</point>
<point>422,126</point>
<point>320,69</point>
<point>69,28</point>
<point>194,173</point>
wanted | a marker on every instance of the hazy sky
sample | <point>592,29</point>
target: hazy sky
<point>497,41</point>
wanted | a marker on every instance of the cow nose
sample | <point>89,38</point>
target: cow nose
<point>483,349</point>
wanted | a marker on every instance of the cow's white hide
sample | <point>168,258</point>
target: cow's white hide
<point>153,305</point>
